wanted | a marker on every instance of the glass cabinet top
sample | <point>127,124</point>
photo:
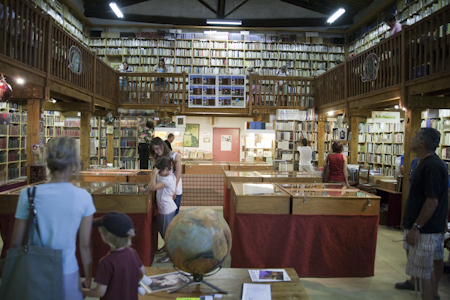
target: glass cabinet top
<point>90,186</point>
<point>102,173</point>
<point>274,174</point>
<point>258,189</point>
<point>321,186</point>
<point>122,188</point>
<point>207,163</point>
<point>240,174</point>
<point>331,193</point>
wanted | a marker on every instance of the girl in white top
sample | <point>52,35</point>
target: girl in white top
<point>163,181</point>
<point>305,157</point>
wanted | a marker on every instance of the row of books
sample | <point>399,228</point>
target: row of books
<point>126,143</point>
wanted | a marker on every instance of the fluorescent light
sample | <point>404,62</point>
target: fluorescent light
<point>224,22</point>
<point>330,113</point>
<point>209,32</point>
<point>245,32</point>
<point>336,15</point>
<point>20,81</point>
<point>396,107</point>
<point>116,9</point>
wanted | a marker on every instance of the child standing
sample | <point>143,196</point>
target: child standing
<point>119,272</point>
<point>164,183</point>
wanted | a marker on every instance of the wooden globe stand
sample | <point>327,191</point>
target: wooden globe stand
<point>198,279</point>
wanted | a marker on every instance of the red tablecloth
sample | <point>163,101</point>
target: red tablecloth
<point>145,242</point>
<point>314,245</point>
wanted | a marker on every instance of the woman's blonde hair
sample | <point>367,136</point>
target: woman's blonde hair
<point>61,154</point>
<point>114,241</point>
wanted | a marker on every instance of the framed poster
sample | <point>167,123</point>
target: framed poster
<point>191,135</point>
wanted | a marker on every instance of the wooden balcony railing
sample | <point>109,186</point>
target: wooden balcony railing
<point>30,37</point>
<point>153,88</point>
<point>388,70</point>
<point>289,91</point>
<point>329,87</point>
<point>24,33</point>
<point>428,45</point>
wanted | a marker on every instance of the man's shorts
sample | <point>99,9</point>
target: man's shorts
<point>439,247</point>
<point>420,256</point>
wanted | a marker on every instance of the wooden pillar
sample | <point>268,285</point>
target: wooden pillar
<point>320,142</point>
<point>412,125</point>
<point>33,117</point>
<point>85,138</point>
<point>353,147</point>
<point>110,149</point>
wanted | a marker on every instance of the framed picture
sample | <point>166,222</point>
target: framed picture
<point>191,135</point>
<point>181,121</point>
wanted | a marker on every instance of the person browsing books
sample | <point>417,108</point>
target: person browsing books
<point>145,136</point>
<point>169,140</point>
<point>164,183</point>
<point>338,164</point>
<point>119,272</point>
<point>62,210</point>
<point>305,152</point>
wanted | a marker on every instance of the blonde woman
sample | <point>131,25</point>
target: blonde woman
<point>62,210</point>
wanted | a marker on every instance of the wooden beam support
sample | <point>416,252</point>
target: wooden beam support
<point>412,125</point>
<point>66,106</point>
<point>429,102</point>
<point>360,112</point>
<point>320,142</point>
<point>69,93</point>
<point>110,149</point>
<point>16,69</point>
<point>33,117</point>
<point>428,84</point>
<point>27,92</point>
<point>85,137</point>
<point>354,122</point>
<point>376,99</point>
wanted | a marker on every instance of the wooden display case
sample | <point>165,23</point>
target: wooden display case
<point>251,167</point>
<point>214,167</point>
<point>333,202</point>
<point>141,176</point>
<point>123,197</point>
<point>283,176</point>
<point>232,176</point>
<point>319,186</point>
<point>260,198</point>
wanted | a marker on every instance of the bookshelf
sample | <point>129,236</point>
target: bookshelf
<point>408,12</point>
<point>53,122</point>
<point>259,145</point>
<point>98,142</point>
<point>439,119</point>
<point>128,133</point>
<point>13,131</point>
<point>380,145</point>
<point>198,53</point>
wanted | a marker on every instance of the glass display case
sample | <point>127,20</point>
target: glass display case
<point>123,197</point>
<point>260,198</point>
<point>284,176</point>
<point>259,145</point>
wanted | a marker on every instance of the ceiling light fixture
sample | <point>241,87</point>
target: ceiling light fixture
<point>396,107</point>
<point>336,15</point>
<point>20,81</point>
<point>116,9</point>
<point>330,113</point>
<point>224,22</point>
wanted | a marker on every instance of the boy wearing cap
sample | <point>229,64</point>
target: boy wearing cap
<point>119,272</point>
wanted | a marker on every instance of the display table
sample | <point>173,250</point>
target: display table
<point>109,175</point>
<point>315,245</point>
<point>232,176</point>
<point>288,176</point>
<point>230,280</point>
<point>132,199</point>
<point>248,166</point>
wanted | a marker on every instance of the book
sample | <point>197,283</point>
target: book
<point>167,281</point>
<point>269,275</point>
<point>252,291</point>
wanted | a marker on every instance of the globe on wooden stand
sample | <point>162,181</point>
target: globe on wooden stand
<point>197,241</point>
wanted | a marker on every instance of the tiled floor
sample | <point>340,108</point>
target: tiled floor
<point>390,263</point>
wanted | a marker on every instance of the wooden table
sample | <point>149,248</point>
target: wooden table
<point>394,201</point>
<point>231,280</point>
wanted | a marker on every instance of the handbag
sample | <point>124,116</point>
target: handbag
<point>32,272</point>
<point>326,171</point>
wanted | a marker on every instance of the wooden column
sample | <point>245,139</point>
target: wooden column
<point>110,149</point>
<point>353,147</point>
<point>33,117</point>
<point>320,142</point>
<point>85,138</point>
<point>412,125</point>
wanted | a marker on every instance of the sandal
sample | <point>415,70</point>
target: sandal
<point>161,250</point>
<point>163,260</point>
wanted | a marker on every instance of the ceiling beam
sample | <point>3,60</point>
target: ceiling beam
<point>303,22</point>
<point>236,8</point>
<point>428,102</point>
<point>323,9</point>
<point>207,6</point>
<point>221,9</point>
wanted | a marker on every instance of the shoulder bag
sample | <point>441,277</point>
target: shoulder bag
<point>326,170</point>
<point>32,272</point>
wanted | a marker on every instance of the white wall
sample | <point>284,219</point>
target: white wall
<point>219,122</point>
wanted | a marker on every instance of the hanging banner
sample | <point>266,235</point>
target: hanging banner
<point>385,116</point>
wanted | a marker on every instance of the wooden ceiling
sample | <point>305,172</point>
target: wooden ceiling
<point>253,13</point>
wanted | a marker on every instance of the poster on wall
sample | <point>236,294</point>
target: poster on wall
<point>191,135</point>
<point>206,138</point>
<point>225,143</point>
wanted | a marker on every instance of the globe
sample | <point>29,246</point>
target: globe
<point>198,240</point>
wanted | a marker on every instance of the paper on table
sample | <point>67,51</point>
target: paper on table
<point>269,275</point>
<point>253,291</point>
